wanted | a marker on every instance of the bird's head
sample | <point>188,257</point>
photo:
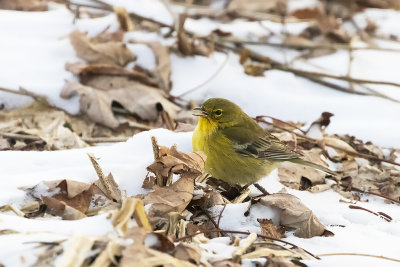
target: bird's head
<point>220,111</point>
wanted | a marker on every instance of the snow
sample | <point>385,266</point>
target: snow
<point>35,49</point>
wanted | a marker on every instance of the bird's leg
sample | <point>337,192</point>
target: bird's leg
<point>262,189</point>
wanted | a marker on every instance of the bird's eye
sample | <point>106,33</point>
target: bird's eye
<point>218,112</point>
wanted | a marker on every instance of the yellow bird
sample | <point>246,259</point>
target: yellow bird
<point>239,151</point>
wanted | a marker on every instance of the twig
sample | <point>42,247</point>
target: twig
<point>208,80</point>
<point>20,136</point>
<point>220,215</point>
<point>376,194</point>
<point>370,211</point>
<point>105,139</point>
<point>245,233</point>
<point>216,225</point>
<point>304,46</point>
<point>337,77</point>
<point>14,92</point>
<point>358,254</point>
<point>262,189</point>
<point>86,139</point>
<point>283,122</point>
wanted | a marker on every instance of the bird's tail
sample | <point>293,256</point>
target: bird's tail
<point>315,166</point>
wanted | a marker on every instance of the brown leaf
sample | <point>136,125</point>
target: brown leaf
<point>113,53</point>
<point>279,261</point>
<point>24,5</point>
<point>268,228</point>
<point>295,215</point>
<point>306,13</point>
<point>173,198</point>
<point>60,208</point>
<point>255,69</point>
<point>190,47</point>
<point>131,207</point>
<point>124,19</point>
<point>94,75</point>
<point>106,36</point>
<point>163,65</point>
<point>171,160</point>
<point>136,251</point>
<point>292,175</point>
<point>139,99</point>
<point>209,198</point>
<point>184,45</point>
<point>41,121</point>
<point>250,6</point>
<point>138,254</point>
<point>224,263</point>
<point>188,252</point>
<point>75,194</point>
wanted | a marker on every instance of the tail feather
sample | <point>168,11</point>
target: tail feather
<point>314,165</point>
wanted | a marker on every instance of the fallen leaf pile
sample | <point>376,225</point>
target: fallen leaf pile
<point>107,82</point>
<point>171,219</point>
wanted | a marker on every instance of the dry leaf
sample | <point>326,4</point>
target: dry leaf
<point>131,207</point>
<point>224,263</point>
<point>112,53</point>
<point>173,198</point>
<point>295,215</point>
<point>191,47</point>
<point>24,5</point>
<point>106,184</point>
<point>66,198</point>
<point>140,100</point>
<point>104,76</point>
<point>124,19</point>
<point>163,65</point>
<point>136,251</point>
<point>188,252</point>
<point>249,6</point>
<point>279,261</point>
<point>268,228</point>
<point>254,69</point>
<point>294,175</point>
<point>106,36</point>
<point>77,250</point>
<point>137,254</point>
<point>43,122</point>
<point>171,160</point>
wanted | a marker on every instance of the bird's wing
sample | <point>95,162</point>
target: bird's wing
<point>262,145</point>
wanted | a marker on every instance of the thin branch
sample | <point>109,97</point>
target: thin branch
<point>304,46</point>
<point>86,139</point>
<point>208,80</point>
<point>14,92</point>
<point>261,189</point>
<point>245,233</point>
<point>358,254</point>
<point>337,77</point>
<point>376,194</point>
<point>370,211</point>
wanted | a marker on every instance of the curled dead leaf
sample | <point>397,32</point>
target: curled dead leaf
<point>268,228</point>
<point>139,99</point>
<point>295,215</point>
<point>113,53</point>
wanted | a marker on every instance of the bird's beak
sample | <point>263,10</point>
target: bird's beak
<point>200,112</point>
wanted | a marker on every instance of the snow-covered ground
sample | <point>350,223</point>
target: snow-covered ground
<point>35,49</point>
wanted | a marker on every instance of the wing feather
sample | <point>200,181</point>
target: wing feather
<point>265,147</point>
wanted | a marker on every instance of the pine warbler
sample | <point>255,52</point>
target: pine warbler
<point>239,151</point>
